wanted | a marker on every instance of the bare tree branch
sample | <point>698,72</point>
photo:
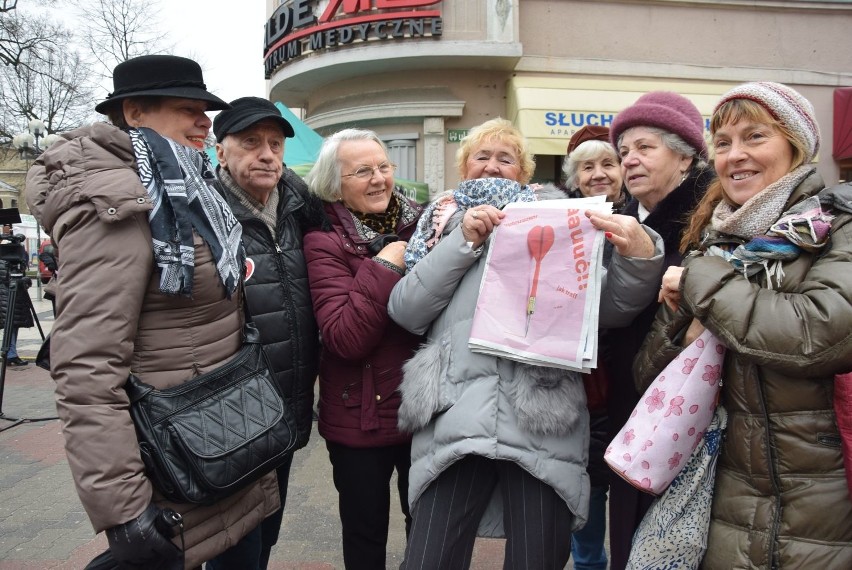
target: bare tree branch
<point>49,74</point>
<point>120,29</point>
<point>8,6</point>
<point>54,88</point>
<point>24,37</point>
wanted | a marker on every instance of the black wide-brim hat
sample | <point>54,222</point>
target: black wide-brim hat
<point>159,76</point>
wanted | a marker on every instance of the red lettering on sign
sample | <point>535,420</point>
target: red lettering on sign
<point>353,6</point>
<point>404,3</point>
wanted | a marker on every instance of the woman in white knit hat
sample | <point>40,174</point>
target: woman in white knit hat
<point>771,277</point>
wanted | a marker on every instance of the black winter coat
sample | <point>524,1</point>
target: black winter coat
<point>619,347</point>
<point>23,316</point>
<point>669,219</point>
<point>279,297</point>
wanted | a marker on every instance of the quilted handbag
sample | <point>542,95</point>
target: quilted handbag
<point>670,418</point>
<point>205,439</point>
<point>674,531</point>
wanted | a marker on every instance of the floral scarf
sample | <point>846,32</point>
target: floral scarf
<point>775,236</point>
<point>496,192</point>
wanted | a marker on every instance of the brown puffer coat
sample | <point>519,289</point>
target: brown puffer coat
<point>780,499</point>
<point>111,319</point>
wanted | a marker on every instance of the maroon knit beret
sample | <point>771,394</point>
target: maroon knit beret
<point>588,133</point>
<point>667,111</point>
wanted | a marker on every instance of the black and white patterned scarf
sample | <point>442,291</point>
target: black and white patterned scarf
<point>178,180</point>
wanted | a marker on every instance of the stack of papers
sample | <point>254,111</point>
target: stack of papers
<point>540,291</point>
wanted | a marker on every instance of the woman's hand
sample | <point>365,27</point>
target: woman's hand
<point>670,295</point>
<point>478,223</point>
<point>670,287</point>
<point>393,252</point>
<point>693,332</point>
<point>624,232</point>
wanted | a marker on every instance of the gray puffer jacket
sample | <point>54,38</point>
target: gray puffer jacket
<point>464,403</point>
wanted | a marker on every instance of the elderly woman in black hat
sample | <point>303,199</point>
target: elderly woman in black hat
<point>150,267</point>
<point>660,140</point>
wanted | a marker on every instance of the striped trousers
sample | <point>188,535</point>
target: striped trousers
<point>536,520</point>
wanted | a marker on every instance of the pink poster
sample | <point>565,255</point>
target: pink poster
<point>540,290</point>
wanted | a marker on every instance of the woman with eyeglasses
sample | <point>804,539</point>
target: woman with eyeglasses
<point>499,447</point>
<point>353,264</point>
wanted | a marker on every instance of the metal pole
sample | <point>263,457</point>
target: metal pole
<point>38,250</point>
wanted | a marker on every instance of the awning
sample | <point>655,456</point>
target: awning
<point>842,123</point>
<point>304,146</point>
<point>549,110</point>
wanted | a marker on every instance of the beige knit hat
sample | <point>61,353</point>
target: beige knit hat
<point>786,105</point>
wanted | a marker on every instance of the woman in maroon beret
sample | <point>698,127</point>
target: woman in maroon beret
<point>660,140</point>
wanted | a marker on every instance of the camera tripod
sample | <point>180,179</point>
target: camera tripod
<point>16,285</point>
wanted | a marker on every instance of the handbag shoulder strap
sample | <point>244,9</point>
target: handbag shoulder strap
<point>251,334</point>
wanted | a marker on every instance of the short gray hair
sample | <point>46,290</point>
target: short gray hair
<point>324,179</point>
<point>675,143</point>
<point>587,150</point>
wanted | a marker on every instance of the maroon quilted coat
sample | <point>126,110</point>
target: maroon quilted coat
<point>363,350</point>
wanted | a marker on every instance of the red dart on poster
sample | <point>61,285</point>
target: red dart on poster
<point>540,289</point>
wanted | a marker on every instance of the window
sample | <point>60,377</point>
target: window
<point>402,151</point>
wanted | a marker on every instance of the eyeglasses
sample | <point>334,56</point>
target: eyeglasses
<point>366,172</point>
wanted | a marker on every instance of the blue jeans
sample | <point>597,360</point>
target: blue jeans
<point>13,350</point>
<point>587,544</point>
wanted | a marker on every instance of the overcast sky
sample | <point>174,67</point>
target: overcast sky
<point>225,37</point>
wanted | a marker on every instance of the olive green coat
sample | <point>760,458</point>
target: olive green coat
<point>780,498</point>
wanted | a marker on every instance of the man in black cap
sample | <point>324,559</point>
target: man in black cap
<point>274,207</point>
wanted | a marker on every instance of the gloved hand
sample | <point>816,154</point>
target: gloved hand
<point>139,544</point>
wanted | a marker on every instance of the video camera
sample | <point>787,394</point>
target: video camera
<point>11,249</point>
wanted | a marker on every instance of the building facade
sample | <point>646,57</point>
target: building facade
<point>421,73</point>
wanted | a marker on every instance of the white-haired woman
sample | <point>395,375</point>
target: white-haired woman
<point>353,264</point>
<point>660,140</point>
<point>592,167</point>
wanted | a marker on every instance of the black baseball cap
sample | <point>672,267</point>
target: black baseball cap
<point>245,112</point>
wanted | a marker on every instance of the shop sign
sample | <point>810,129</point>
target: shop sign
<point>294,30</point>
<point>456,135</point>
<point>566,123</point>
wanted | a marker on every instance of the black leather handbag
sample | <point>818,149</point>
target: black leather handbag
<point>205,439</point>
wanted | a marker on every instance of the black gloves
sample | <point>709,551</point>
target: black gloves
<point>380,242</point>
<point>143,543</point>
<point>49,261</point>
